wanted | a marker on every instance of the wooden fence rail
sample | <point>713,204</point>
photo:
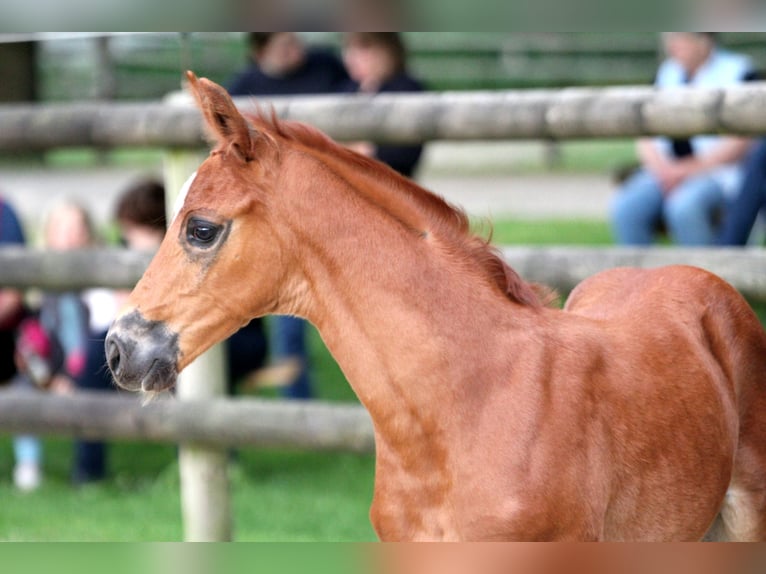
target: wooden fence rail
<point>564,267</point>
<point>306,425</point>
<point>516,114</point>
<point>560,267</point>
<point>23,268</point>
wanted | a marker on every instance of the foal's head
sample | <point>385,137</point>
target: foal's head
<point>192,294</point>
<point>230,254</point>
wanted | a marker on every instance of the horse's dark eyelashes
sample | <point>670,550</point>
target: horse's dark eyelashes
<point>202,233</point>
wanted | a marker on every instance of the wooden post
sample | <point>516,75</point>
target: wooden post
<point>205,500</point>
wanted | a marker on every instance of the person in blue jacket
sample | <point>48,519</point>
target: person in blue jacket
<point>686,184</point>
<point>377,63</point>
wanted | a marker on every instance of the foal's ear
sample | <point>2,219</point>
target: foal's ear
<point>228,126</point>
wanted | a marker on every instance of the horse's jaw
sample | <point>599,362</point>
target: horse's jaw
<point>142,355</point>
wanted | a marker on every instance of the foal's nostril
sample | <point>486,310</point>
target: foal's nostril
<point>113,355</point>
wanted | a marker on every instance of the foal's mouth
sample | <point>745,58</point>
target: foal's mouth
<point>161,376</point>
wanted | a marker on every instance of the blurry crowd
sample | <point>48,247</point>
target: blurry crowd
<point>704,190</point>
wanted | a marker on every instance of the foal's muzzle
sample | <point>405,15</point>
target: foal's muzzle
<point>142,355</point>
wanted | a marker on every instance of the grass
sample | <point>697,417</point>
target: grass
<point>277,496</point>
<point>559,232</point>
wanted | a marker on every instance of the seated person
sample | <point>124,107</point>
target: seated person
<point>684,184</point>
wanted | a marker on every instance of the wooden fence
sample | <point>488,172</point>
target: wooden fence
<point>218,422</point>
<point>560,267</point>
<point>540,114</point>
<point>502,115</point>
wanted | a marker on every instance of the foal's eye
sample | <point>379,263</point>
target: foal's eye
<point>201,233</point>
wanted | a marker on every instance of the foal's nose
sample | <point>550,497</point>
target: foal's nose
<point>141,354</point>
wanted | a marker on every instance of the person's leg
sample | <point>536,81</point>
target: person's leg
<point>690,211</point>
<point>246,352</point>
<point>290,343</point>
<point>27,471</point>
<point>90,456</point>
<point>636,209</point>
<point>740,215</point>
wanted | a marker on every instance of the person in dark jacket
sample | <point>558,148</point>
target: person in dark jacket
<point>281,64</point>
<point>377,63</point>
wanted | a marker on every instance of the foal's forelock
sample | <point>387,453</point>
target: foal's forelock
<point>181,199</point>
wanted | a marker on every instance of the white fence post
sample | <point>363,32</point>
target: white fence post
<point>205,499</point>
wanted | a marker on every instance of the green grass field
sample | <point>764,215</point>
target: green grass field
<point>277,496</point>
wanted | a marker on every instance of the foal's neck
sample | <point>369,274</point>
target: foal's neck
<point>393,304</point>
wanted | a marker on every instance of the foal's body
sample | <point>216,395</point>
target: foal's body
<point>556,429</point>
<point>626,416</point>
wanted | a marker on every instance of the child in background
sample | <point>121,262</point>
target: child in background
<point>37,359</point>
<point>66,317</point>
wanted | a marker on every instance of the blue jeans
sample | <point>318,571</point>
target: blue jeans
<point>27,449</point>
<point>744,210</point>
<point>90,456</point>
<point>289,340</point>
<point>688,212</point>
<point>246,351</point>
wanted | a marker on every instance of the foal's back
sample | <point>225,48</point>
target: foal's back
<point>686,323</point>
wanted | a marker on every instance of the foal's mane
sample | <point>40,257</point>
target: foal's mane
<point>414,206</point>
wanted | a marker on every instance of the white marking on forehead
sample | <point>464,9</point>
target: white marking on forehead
<point>181,199</point>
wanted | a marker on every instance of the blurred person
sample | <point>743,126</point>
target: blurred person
<point>684,184</point>
<point>742,214</point>
<point>11,300</point>
<point>377,63</point>
<point>281,64</point>
<point>37,358</point>
<point>64,315</point>
<point>141,218</point>
<point>140,214</point>
<point>66,318</point>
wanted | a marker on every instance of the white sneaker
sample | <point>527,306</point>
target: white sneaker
<point>27,476</point>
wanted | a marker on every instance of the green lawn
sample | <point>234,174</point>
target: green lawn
<point>276,495</point>
<point>564,232</point>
